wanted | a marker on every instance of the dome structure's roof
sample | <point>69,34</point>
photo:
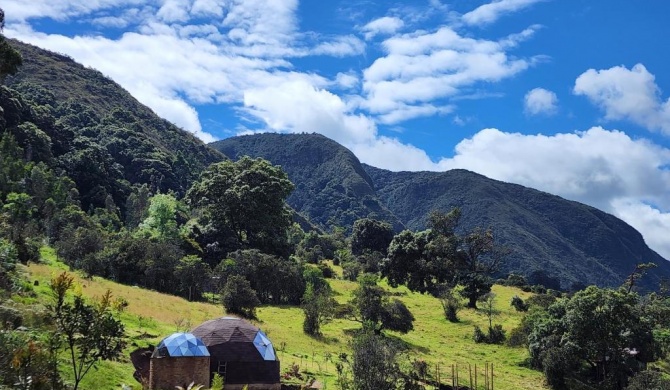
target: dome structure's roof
<point>181,345</point>
<point>233,339</point>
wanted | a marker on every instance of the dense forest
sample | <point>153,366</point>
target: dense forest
<point>122,194</point>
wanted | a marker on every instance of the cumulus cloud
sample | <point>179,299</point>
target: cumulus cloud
<point>386,25</point>
<point>489,13</point>
<point>626,94</point>
<point>423,67</point>
<point>540,101</point>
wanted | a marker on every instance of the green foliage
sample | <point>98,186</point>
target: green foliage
<point>161,220</point>
<point>606,331</point>
<point>518,304</point>
<point>373,308</point>
<point>89,333</point>
<point>275,280</point>
<point>648,380</point>
<point>244,202</point>
<point>451,303</point>
<point>370,235</point>
<point>375,363</point>
<point>238,297</point>
<point>332,189</point>
<point>217,382</point>
<point>10,58</point>
<point>28,361</point>
<point>318,303</point>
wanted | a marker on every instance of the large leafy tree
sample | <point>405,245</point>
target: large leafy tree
<point>600,336</point>
<point>370,235</point>
<point>244,202</point>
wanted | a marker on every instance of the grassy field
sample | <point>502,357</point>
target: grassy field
<point>150,316</point>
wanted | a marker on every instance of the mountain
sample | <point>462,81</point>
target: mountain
<point>547,234</point>
<point>332,188</point>
<point>97,132</point>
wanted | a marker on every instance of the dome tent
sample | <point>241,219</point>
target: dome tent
<point>240,352</point>
<point>179,359</point>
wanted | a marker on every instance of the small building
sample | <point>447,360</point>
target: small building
<point>178,360</point>
<point>241,353</point>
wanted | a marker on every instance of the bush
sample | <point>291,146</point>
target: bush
<point>519,304</point>
<point>326,270</point>
<point>517,337</point>
<point>351,270</point>
<point>479,336</point>
<point>541,300</point>
<point>451,304</point>
<point>239,298</point>
<point>496,335</point>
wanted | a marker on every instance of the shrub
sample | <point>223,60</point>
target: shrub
<point>326,270</point>
<point>519,304</point>
<point>496,335</point>
<point>451,304</point>
<point>239,298</point>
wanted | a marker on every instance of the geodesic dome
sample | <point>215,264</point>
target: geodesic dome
<point>181,345</point>
<point>239,351</point>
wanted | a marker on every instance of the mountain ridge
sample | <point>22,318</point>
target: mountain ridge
<point>574,242</point>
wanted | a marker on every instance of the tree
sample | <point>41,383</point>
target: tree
<point>318,303</point>
<point>601,336</point>
<point>372,307</point>
<point>10,59</point>
<point>371,235</point>
<point>90,332</point>
<point>239,298</point>
<point>244,202</point>
<point>161,222</point>
<point>478,257</point>
<point>191,273</point>
<point>375,363</point>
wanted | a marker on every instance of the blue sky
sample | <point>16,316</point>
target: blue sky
<point>566,96</point>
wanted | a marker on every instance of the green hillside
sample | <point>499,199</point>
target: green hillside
<point>102,136</point>
<point>150,316</point>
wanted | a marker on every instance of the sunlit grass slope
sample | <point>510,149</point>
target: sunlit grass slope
<point>150,316</point>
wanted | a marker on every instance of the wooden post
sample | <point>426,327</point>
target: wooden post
<point>486,376</point>
<point>470,371</point>
<point>453,376</point>
<point>476,377</point>
<point>491,376</point>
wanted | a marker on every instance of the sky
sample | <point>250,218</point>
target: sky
<point>565,96</point>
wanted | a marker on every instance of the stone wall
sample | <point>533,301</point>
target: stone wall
<point>168,372</point>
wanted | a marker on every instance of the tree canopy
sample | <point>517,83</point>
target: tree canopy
<point>244,202</point>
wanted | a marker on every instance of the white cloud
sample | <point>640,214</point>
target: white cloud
<point>386,25</point>
<point>423,67</point>
<point>540,101</point>
<point>342,46</point>
<point>489,13</point>
<point>653,224</point>
<point>626,94</point>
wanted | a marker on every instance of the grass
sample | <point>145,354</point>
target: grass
<point>150,316</point>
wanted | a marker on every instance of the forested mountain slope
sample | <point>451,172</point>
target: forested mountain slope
<point>104,138</point>
<point>575,243</point>
<point>332,188</point>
